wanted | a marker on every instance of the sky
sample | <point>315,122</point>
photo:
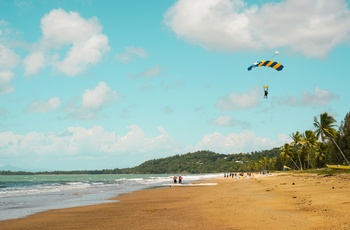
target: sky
<point>91,84</point>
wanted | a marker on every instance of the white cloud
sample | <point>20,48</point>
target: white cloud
<point>131,53</point>
<point>83,54</point>
<point>237,101</point>
<point>33,63</point>
<point>60,27</point>
<point>8,58</point>
<point>5,82</point>
<point>236,143</point>
<point>69,44</point>
<point>44,106</point>
<point>154,71</point>
<point>233,25</point>
<point>137,141</point>
<point>6,31</point>
<point>320,97</point>
<point>93,101</point>
<point>8,61</point>
<point>98,97</point>
<point>23,4</point>
<point>224,121</point>
<point>148,73</point>
<point>228,121</point>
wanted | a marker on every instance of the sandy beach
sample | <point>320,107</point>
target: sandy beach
<point>279,201</point>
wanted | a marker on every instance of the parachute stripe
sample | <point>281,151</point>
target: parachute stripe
<point>271,64</point>
<point>261,63</point>
<point>267,63</point>
<point>278,66</point>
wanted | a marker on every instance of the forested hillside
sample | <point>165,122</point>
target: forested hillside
<point>206,162</point>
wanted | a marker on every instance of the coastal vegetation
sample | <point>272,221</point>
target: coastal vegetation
<point>316,148</point>
<point>308,150</point>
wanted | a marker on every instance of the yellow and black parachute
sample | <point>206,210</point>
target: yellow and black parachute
<point>267,63</point>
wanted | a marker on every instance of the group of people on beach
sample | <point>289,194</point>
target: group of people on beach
<point>238,175</point>
<point>175,179</point>
<point>233,175</point>
<point>245,175</point>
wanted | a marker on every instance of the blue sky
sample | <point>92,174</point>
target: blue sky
<point>87,84</point>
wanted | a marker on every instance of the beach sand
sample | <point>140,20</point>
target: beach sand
<point>279,201</point>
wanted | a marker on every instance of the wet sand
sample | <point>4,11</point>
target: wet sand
<point>280,201</point>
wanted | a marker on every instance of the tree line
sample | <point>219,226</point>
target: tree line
<point>204,161</point>
<point>316,148</point>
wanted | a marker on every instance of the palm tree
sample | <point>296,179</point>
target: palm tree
<point>296,142</point>
<point>287,153</point>
<point>325,130</point>
<point>263,162</point>
<point>309,142</point>
<point>320,154</point>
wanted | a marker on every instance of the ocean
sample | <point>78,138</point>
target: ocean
<point>23,195</point>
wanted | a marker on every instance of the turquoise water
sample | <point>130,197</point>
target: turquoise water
<point>22,195</point>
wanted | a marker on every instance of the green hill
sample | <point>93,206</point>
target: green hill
<point>201,162</point>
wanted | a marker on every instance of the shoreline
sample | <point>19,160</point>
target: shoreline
<point>22,195</point>
<point>284,200</point>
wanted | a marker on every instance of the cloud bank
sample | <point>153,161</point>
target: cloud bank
<point>98,143</point>
<point>319,97</point>
<point>237,101</point>
<point>312,28</point>
<point>238,142</point>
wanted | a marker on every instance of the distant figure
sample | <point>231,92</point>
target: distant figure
<point>180,179</point>
<point>175,179</point>
<point>266,91</point>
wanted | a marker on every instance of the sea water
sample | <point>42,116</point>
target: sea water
<point>23,195</point>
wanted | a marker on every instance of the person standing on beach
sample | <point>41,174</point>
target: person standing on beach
<point>175,179</point>
<point>180,179</point>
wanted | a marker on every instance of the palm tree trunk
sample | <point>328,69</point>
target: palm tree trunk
<point>301,165</point>
<point>295,163</point>
<point>340,151</point>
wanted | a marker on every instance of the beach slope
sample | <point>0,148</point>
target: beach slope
<point>280,201</point>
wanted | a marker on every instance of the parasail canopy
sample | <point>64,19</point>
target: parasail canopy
<point>267,63</point>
